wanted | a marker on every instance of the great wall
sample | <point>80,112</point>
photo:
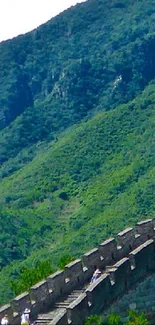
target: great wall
<point>66,297</point>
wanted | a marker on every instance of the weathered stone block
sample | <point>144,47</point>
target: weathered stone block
<point>108,251</point>
<point>119,274</point>
<point>145,229</point>
<point>126,241</point>
<point>7,310</point>
<point>77,312</point>
<point>40,298</point>
<point>21,302</point>
<point>56,285</point>
<point>92,260</point>
<point>60,319</point>
<point>142,260</point>
<point>73,275</point>
<point>99,294</point>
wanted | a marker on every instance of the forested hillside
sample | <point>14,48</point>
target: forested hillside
<point>69,68</point>
<point>97,179</point>
<point>77,100</point>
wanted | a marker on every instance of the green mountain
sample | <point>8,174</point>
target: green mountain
<point>77,133</point>
<point>68,69</point>
<point>97,179</point>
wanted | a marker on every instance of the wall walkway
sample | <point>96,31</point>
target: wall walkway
<point>66,297</point>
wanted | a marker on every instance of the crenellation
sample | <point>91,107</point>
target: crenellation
<point>40,297</point>
<point>123,266</point>
<point>91,260</point>
<point>56,285</point>
<point>145,229</point>
<point>21,302</point>
<point>6,310</point>
<point>119,274</point>
<point>40,291</point>
<point>111,271</point>
<point>140,265</point>
<point>108,251</point>
<point>139,239</point>
<point>73,275</point>
<point>126,241</point>
<point>98,294</point>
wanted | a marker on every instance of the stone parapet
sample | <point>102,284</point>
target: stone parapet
<point>124,261</point>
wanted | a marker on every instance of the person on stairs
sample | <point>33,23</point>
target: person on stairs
<point>25,318</point>
<point>4,320</point>
<point>95,276</point>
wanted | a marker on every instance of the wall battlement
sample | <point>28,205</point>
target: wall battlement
<point>124,261</point>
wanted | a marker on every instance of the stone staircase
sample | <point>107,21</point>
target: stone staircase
<point>61,305</point>
<point>125,261</point>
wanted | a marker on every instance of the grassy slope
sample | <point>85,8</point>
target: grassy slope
<point>97,179</point>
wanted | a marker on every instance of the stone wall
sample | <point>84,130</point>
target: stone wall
<point>125,261</point>
<point>141,298</point>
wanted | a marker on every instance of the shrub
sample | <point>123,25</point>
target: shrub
<point>64,260</point>
<point>113,319</point>
<point>94,320</point>
<point>137,319</point>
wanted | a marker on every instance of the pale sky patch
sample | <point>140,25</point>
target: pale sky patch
<point>20,16</point>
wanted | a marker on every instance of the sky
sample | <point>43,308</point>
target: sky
<point>20,16</point>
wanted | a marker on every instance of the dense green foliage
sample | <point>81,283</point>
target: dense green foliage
<point>28,277</point>
<point>93,182</point>
<point>134,318</point>
<point>66,187</point>
<point>94,320</point>
<point>64,260</point>
<point>68,69</point>
<point>113,319</point>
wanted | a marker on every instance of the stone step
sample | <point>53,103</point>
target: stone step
<point>75,294</point>
<point>71,299</point>
<point>43,321</point>
<point>76,291</point>
<point>48,314</point>
<point>63,304</point>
